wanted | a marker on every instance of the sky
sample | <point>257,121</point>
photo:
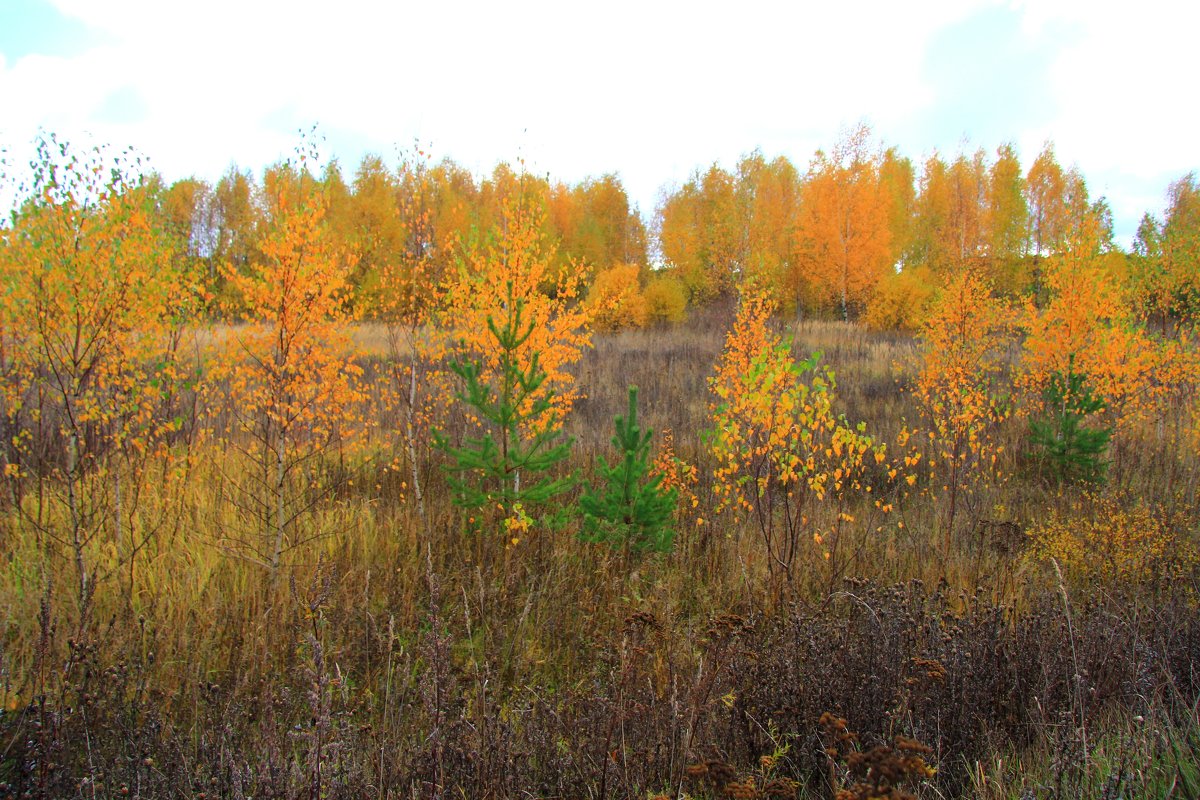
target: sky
<point>648,90</point>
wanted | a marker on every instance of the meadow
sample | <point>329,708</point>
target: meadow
<point>386,660</point>
<point>262,538</point>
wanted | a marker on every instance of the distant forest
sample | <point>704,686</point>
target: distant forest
<point>862,232</point>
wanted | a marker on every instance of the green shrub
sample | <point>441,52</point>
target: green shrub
<point>630,509</point>
<point>510,464</point>
<point>1069,449</point>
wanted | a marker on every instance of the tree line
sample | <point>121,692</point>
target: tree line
<point>863,232</point>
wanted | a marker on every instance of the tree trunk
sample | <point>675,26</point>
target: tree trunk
<point>77,537</point>
<point>410,437</point>
<point>280,505</point>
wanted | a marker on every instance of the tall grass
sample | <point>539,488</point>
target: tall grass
<point>396,655</point>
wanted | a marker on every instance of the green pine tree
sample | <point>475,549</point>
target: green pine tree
<point>1071,450</point>
<point>630,509</point>
<point>503,466</point>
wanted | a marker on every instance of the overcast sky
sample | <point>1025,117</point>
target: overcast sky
<point>647,90</point>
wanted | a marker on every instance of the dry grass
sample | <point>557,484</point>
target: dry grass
<point>367,339</point>
<point>399,656</point>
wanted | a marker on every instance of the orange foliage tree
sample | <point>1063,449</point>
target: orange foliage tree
<point>1147,281</point>
<point>845,217</point>
<point>84,324</point>
<point>781,451</point>
<point>700,234</point>
<point>234,219</point>
<point>371,226</point>
<point>288,386</point>
<point>969,223</point>
<point>1180,250</point>
<point>958,385</point>
<point>952,221</point>
<point>1086,326</point>
<point>1008,213</point>
<point>897,175</point>
<point>1165,263</point>
<point>1045,197</point>
<point>596,226</point>
<point>768,201</point>
<point>516,260</point>
<point>931,213</point>
<point>408,297</point>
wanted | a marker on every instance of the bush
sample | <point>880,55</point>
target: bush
<point>1070,450</point>
<point>901,301</point>
<point>1104,542</point>
<point>616,300</point>
<point>666,299</point>
<point>504,467</point>
<point>631,510</point>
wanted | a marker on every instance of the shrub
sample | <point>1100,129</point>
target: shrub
<point>960,387</point>
<point>616,300</point>
<point>502,467</point>
<point>901,301</point>
<point>631,510</point>
<point>1070,450</point>
<point>666,299</point>
<point>781,450</point>
<point>1103,541</point>
<point>678,476</point>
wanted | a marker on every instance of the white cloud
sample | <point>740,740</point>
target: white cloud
<point>1121,83</point>
<point>1123,87</point>
<point>649,90</point>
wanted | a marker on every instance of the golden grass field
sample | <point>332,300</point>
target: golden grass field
<point>395,655</point>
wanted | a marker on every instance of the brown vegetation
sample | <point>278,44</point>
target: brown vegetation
<point>233,564</point>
